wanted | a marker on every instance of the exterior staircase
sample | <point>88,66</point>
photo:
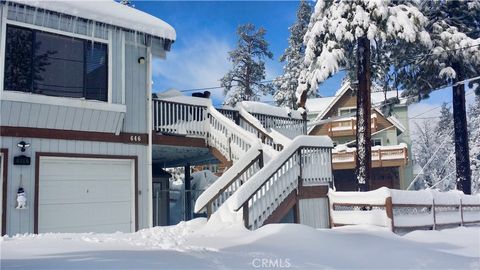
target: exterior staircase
<point>273,168</point>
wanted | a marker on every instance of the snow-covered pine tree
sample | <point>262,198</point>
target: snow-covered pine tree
<point>341,34</point>
<point>423,148</point>
<point>286,84</point>
<point>453,26</point>
<point>244,80</point>
<point>474,121</point>
<point>444,164</point>
<point>433,151</point>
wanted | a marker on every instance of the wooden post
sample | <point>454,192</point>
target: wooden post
<point>245,215</point>
<point>389,210</point>
<point>434,217</point>
<point>209,210</point>
<point>461,212</point>
<point>188,193</point>
<point>380,156</point>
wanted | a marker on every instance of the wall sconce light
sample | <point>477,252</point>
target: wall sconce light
<point>23,145</point>
<point>141,60</point>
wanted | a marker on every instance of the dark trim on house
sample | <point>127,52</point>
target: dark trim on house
<point>4,151</point>
<point>178,141</point>
<point>60,134</point>
<point>38,155</point>
<point>311,192</point>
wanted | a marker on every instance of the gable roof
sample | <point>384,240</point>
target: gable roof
<point>323,105</point>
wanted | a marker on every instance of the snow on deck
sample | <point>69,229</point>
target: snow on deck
<point>190,246</point>
<point>109,12</point>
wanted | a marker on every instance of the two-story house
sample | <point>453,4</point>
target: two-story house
<point>75,123</point>
<point>391,157</point>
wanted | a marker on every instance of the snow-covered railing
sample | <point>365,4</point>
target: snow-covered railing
<point>230,139</point>
<point>230,181</point>
<point>404,210</point>
<point>395,155</point>
<point>196,117</point>
<point>347,126</point>
<point>269,187</point>
<point>170,117</point>
<point>289,123</point>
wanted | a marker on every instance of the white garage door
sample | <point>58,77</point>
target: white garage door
<point>86,195</point>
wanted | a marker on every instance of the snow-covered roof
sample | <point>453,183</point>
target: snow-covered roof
<point>109,12</point>
<point>263,108</point>
<point>322,105</point>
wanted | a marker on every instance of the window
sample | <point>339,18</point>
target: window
<point>55,65</point>
<point>376,142</point>
<point>346,111</point>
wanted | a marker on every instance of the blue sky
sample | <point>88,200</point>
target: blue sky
<point>206,33</point>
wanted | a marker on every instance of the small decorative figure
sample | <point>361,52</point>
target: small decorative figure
<point>21,199</point>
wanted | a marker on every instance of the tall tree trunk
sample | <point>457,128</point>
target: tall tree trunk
<point>363,133</point>
<point>462,157</point>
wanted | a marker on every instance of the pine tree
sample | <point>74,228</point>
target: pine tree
<point>444,165</point>
<point>474,121</point>
<point>244,80</point>
<point>455,56</point>
<point>342,34</point>
<point>287,83</point>
<point>433,151</point>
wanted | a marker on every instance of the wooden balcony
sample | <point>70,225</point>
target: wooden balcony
<point>347,127</point>
<point>386,156</point>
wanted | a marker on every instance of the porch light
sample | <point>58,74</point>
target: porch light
<point>23,145</point>
<point>141,60</point>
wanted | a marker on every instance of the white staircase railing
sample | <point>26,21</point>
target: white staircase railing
<point>267,189</point>
<point>242,139</point>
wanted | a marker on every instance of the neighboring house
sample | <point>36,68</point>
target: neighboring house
<point>391,157</point>
<point>75,88</point>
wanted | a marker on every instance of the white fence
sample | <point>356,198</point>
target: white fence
<point>404,210</point>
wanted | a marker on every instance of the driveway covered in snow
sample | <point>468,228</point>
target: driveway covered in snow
<point>195,245</point>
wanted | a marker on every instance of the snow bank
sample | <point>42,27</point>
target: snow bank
<point>109,12</point>
<point>189,246</point>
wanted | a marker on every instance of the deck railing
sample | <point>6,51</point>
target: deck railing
<point>381,157</point>
<point>290,127</point>
<point>347,127</point>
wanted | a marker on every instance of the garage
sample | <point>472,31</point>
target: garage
<point>85,194</point>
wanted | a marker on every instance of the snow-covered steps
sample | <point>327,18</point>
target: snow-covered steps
<point>262,193</point>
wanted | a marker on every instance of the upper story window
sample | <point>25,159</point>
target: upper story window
<point>377,142</point>
<point>55,65</point>
<point>346,111</point>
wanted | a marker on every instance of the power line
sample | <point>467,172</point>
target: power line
<point>272,80</point>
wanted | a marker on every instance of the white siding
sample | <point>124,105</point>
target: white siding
<point>22,221</point>
<point>314,212</point>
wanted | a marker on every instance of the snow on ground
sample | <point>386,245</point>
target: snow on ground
<point>193,245</point>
